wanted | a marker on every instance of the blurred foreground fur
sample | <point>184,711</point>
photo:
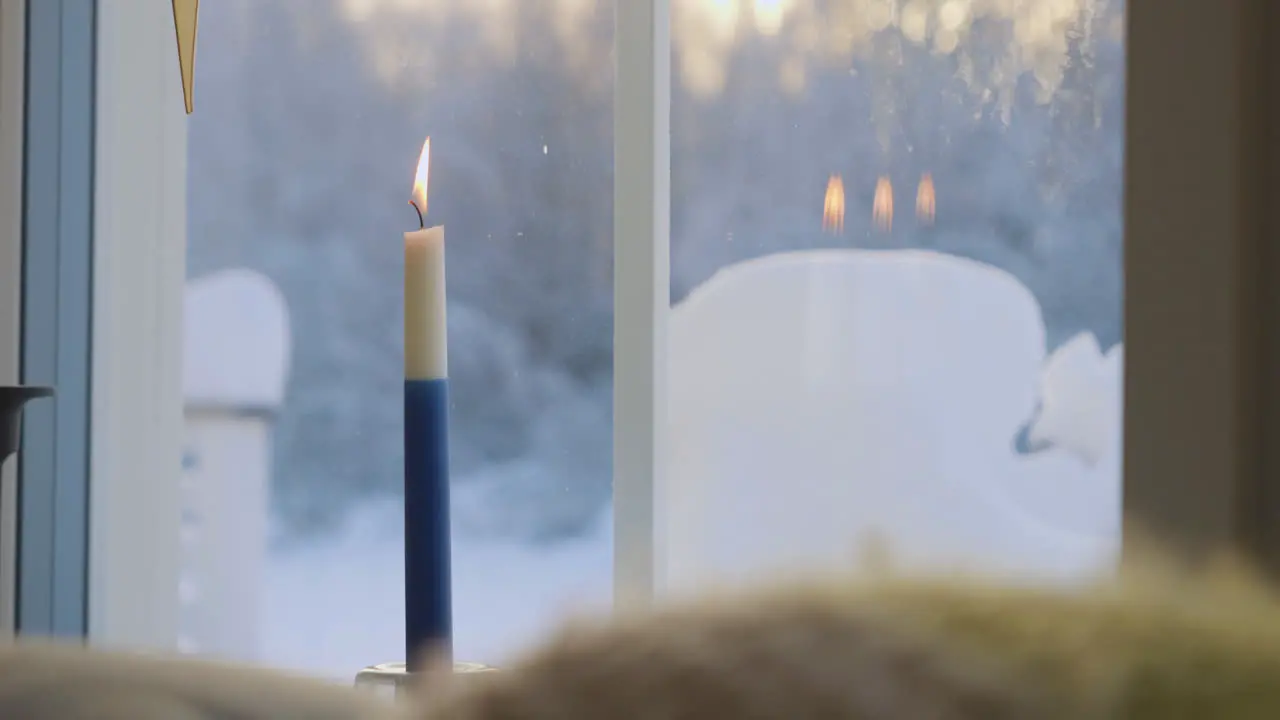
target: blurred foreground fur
<point>40,681</point>
<point>1156,645</point>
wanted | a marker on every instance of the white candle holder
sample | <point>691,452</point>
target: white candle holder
<point>394,679</point>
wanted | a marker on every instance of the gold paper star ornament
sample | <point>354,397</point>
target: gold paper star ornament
<point>185,13</point>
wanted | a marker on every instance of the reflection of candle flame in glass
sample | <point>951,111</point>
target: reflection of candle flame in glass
<point>925,203</point>
<point>882,207</point>
<point>833,206</point>
<point>419,196</point>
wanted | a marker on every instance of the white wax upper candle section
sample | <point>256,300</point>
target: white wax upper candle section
<point>425,347</point>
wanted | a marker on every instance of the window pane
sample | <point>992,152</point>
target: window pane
<point>896,283</point>
<point>309,120</point>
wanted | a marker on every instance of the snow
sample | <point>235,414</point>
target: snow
<point>826,396</point>
<point>336,607</point>
<point>1080,402</point>
<point>817,399</point>
<point>244,310</point>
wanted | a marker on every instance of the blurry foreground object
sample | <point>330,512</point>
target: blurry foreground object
<point>51,682</point>
<point>946,649</point>
<point>1152,645</point>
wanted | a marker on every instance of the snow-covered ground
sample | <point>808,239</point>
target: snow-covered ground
<point>335,607</point>
<point>883,404</point>
<point>820,397</point>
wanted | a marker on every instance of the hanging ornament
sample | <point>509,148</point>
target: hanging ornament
<point>185,13</point>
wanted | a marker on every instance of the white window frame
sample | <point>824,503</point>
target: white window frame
<point>139,270</point>
<point>1177,166</point>
<point>641,293</point>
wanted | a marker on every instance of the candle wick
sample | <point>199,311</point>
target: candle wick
<point>418,210</point>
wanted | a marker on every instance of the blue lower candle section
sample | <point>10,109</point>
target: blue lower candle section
<point>428,611</point>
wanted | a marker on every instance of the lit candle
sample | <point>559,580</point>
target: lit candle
<point>427,592</point>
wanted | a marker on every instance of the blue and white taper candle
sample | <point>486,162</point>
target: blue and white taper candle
<point>427,578</point>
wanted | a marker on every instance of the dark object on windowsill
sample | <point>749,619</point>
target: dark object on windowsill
<point>12,399</point>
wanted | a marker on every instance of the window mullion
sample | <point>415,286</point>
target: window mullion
<point>641,237</point>
<point>140,188</point>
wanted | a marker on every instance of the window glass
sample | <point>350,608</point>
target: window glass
<point>310,117</point>
<point>896,301</point>
<point>896,284</point>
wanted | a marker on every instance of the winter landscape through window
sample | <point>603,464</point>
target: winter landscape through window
<point>896,297</point>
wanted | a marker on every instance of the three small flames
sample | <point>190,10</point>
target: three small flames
<point>881,204</point>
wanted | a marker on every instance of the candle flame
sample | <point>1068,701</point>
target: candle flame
<point>833,206</point>
<point>418,198</point>
<point>882,206</point>
<point>925,202</point>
